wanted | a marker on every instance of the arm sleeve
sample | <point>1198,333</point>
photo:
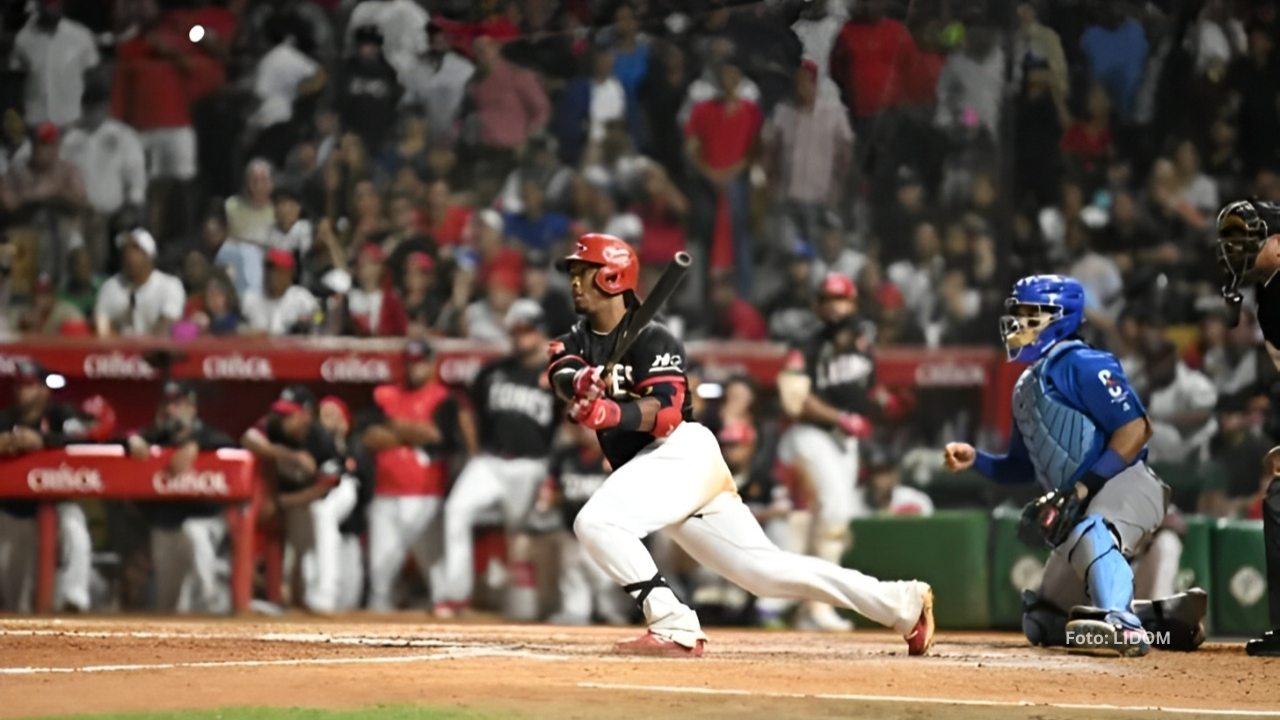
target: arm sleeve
<point>174,301</point>
<point>1012,468</point>
<point>657,366</point>
<point>134,168</point>
<point>1096,384</point>
<point>566,359</point>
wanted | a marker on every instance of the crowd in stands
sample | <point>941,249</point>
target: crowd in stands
<point>412,168</point>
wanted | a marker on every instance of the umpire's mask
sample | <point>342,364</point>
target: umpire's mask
<point>1243,228</point>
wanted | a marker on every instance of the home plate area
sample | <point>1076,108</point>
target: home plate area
<point>59,667</point>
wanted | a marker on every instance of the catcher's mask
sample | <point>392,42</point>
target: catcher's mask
<point>1243,228</point>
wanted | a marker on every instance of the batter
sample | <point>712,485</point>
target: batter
<point>669,475</point>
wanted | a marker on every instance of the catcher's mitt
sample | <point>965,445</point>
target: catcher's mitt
<point>1048,520</point>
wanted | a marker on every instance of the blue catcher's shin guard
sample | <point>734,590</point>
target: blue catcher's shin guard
<point>1108,579</point>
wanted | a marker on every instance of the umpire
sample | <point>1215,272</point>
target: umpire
<point>1249,254</point>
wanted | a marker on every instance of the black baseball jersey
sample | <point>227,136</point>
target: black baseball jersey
<point>840,366</point>
<point>171,514</point>
<point>515,408</point>
<point>577,475</point>
<point>318,442</point>
<point>1269,311</point>
<point>58,425</point>
<point>653,365</point>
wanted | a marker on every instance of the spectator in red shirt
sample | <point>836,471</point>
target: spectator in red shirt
<point>373,307</point>
<point>871,56</point>
<point>509,106</point>
<point>720,140</point>
<point>160,73</point>
<point>445,220</point>
<point>1087,141</point>
<point>733,318</point>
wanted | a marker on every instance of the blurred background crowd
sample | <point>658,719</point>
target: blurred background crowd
<point>412,168</point>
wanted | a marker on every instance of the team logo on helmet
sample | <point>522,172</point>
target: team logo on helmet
<point>615,254</point>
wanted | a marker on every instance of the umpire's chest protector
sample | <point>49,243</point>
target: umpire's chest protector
<point>1062,441</point>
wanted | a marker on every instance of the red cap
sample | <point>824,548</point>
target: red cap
<point>422,261</point>
<point>281,258</point>
<point>837,285</point>
<point>372,252</point>
<point>737,433</point>
<point>810,67</point>
<point>506,277</point>
<point>339,403</point>
<point>890,297</point>
<point>47,133</point>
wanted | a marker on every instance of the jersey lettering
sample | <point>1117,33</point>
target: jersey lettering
<point>620,381</point>
<point>579,487</point>
<point>667,361</point>
<point>844,370</point>
<point>521,399</point>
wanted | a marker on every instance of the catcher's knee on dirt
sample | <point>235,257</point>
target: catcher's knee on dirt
<point>1095,555</point>
<point>1042,622</point>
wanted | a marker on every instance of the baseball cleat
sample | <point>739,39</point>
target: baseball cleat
<point>920,639</point>
<point>1106,637</point>
<point>1266,646</point>
<point>650,645</point>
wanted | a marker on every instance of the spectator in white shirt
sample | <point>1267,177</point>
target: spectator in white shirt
<point>484,318</point>
<point>112,164</point>
<point>250,217</point>
<point>1180,405</point>
<point>139,300</point>
<point>284,74</point>
<point>285,308</point>
<point>403,25</point>
<point>437,80</point>
<point>290,232</point>
<point>54,54</point>
<point>884,493</point>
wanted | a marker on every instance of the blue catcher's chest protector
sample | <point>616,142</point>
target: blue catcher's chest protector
<point>1062,441</point>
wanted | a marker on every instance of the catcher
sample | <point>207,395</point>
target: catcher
<point>1249,254</point>
<point>1081,432</point>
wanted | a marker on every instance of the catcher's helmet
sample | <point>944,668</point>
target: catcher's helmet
<point>1043,310</point>
<point>619,266</point>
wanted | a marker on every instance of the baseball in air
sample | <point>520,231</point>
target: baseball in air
<point>196,34</point>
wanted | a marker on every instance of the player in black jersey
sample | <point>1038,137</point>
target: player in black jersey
<point>668,475</point>
<point>1249,255</point>
<point>517,415</point>
<point>825,387</point>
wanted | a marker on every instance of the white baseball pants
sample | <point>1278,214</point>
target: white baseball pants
<point>18,539</point>
<point>312,531</point>
<point>488,481</point>
<point>682,487</point>
<point>584,586</point>
<point>185,560</point>
<point>398,525</point>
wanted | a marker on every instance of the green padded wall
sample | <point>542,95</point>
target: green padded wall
<point>1239,596</point>
<point>947,550</point>
<point>1014,568</point>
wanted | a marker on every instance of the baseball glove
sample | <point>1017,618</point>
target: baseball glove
<point>1048,520</point>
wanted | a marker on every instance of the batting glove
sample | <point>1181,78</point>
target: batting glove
<point>855,425</point>
<point>588,383</point>
<point>598,414</point>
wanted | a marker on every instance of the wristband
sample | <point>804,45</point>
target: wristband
<point>985,463</point>
<point>1109,465</point>
<point>631,417</point>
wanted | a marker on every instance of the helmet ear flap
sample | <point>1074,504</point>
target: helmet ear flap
<point>607,279</point>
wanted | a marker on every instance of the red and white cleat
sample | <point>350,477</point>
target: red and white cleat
<point>920,639</point>
<point>651,645</point>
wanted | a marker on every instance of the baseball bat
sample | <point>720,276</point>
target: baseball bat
<point>649,307</point>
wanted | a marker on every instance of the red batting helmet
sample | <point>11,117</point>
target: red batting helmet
<point>837,285</point>
<point>619,266</point>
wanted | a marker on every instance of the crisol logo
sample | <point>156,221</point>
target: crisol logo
<point>353,369</point>
<point>116,364</point>
<point>192,482</point>
<point>950,374</point>
<point>237,367</point>
<point>64,479</point>
<point>459,370</point>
